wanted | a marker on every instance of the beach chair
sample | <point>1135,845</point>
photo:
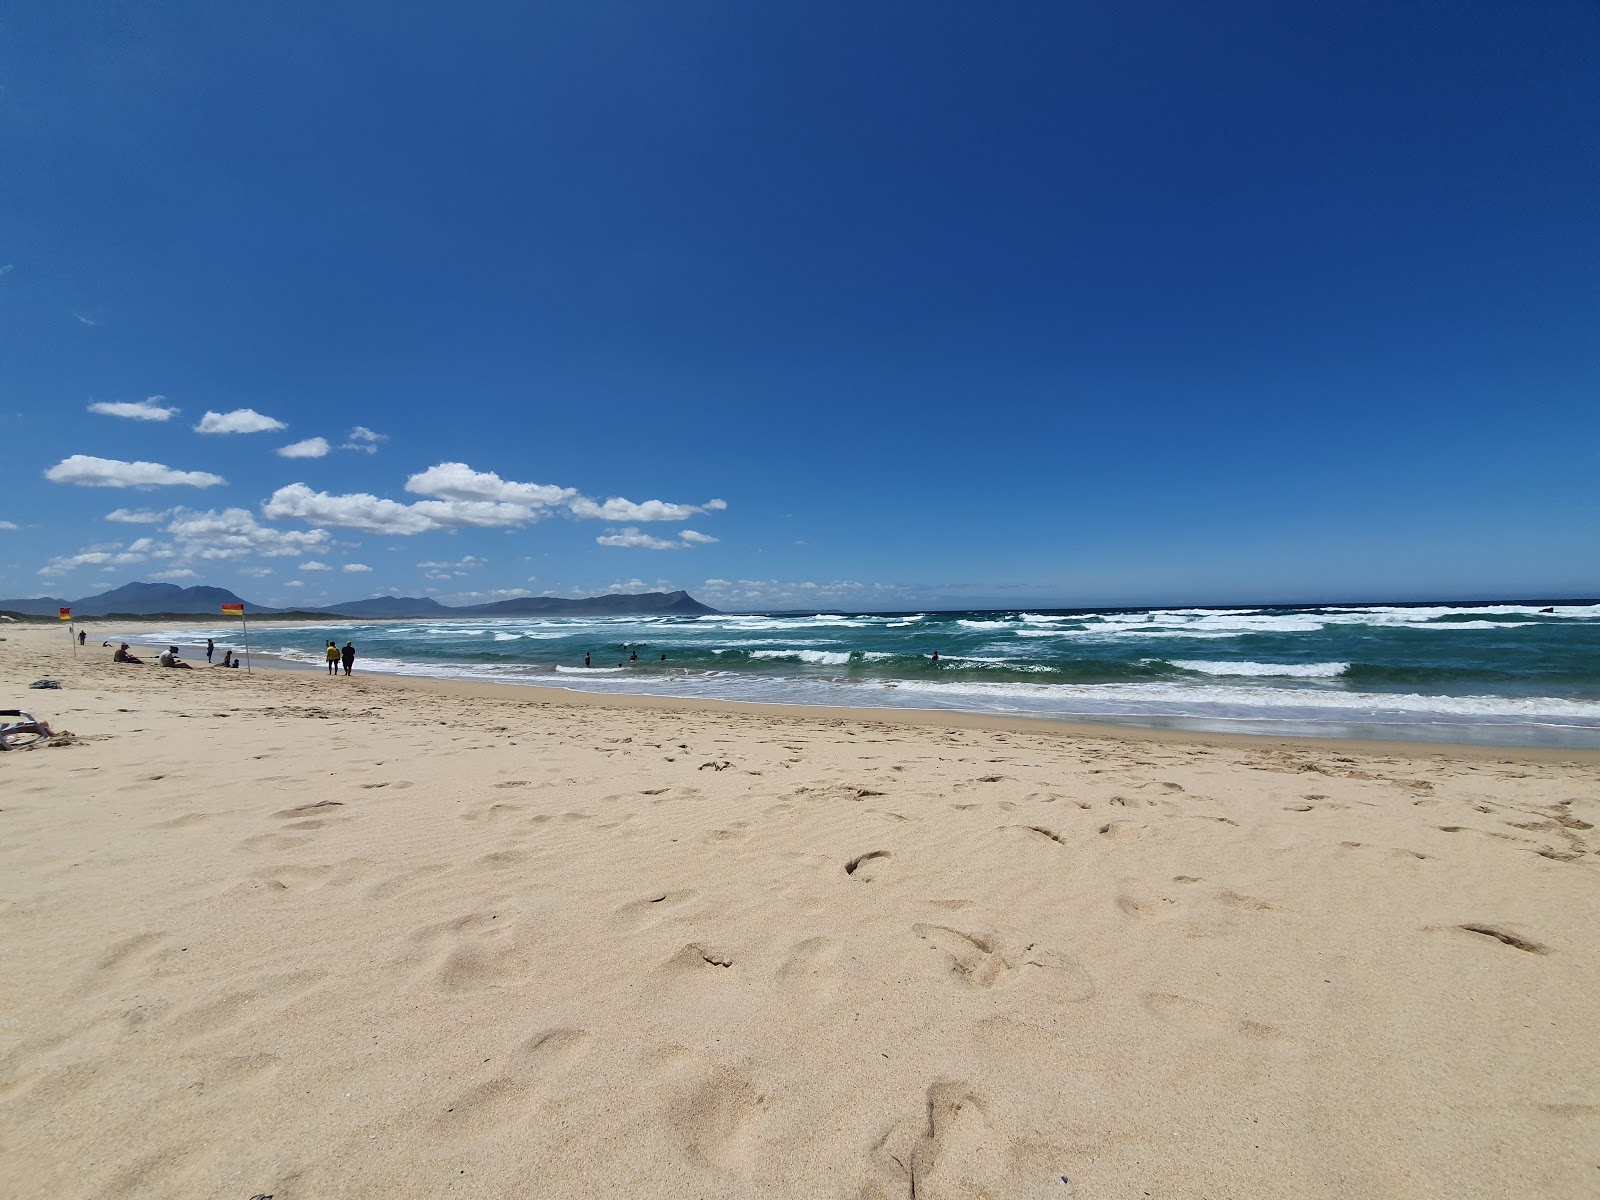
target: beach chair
<point>23,733</point>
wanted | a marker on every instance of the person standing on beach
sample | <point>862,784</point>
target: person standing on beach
<point>211,648</point>
<point>332,655</point>
<point>82,637</point>
<point>348,656</point>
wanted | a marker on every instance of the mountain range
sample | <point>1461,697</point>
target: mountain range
<point>147,599</point>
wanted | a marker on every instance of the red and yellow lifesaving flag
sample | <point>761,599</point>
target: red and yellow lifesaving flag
<point>233,610</point>
<point>66,614</point>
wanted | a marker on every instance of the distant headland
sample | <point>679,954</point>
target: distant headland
<point>163,599</point>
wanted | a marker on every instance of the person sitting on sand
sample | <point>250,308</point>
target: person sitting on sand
<point>171,659</point>
<point>227,658</point>
<point>123,656</point>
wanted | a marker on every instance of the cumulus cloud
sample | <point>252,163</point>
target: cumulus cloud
<point>355,568</point>
<point>9,525</point>
<point>87,471</point>
<point>313,566</point>
<point>179,573</point>
<point>234,533</point>
<point>139,516</point>
<point>362,510</point>
<point>310,448</point>
<point>618,509</point>
<point>632,539</point>
<point>457,481</point>
<point>357,510</point>
<point>135,410</point>
<point>461,497</point>
<point>363,439</point>
<point>107,558</point>
<point>294,583</point>
<point>240,420</point>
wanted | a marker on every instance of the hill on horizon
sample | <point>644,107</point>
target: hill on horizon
<point>139,599</point>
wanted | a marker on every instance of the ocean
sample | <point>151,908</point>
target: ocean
<point>1497,674</point>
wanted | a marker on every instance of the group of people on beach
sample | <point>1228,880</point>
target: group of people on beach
<point>337,657</point>
<point>170,657</point>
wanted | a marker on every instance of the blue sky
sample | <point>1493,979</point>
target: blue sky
<point>884,305</point>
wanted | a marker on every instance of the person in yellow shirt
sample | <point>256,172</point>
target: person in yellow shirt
<point>333,659</point>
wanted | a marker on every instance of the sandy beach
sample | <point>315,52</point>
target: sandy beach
<point>275,934</point>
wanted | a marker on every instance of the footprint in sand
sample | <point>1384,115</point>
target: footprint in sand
<point>713,1111</point>
<point>864,868</point>
<point>481,952</point>
<point>654,908</point>
<point>133,958</point>
<point>988,959</point>
<point>953,1144</point>
<point>534,1070</point>
<point>813,967</point>
<point>1199,1019</point>
<point>306,810</point>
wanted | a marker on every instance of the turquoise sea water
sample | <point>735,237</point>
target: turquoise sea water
<point>1495,674</point>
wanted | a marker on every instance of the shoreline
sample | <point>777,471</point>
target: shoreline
<point>938,718</point>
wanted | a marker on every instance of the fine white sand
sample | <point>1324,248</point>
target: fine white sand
<point>279,934</point>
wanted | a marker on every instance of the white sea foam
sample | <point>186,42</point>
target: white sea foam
<point>832,658</point>
<point>1197,699</point>
<point>591,670</point>
<point>1322,670</point>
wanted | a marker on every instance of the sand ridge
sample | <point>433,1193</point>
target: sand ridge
<point>276,934</point>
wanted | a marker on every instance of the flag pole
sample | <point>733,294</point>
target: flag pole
<point>246,625</point>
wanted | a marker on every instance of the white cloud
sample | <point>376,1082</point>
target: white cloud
<point>256,572</point>
<point>355,568</point>
<point>480,514</point>
<point>464,498</point>
<point>310,448</point>
<point>141,516</point>
<point>240,420</point>
<point>179,573</point>
<point>618,509</point>
<point>108,559</point>
<point>696,537</point>
<point>234,533</point>
<point>457,481</point>
<point>634,540</point>
<point>363,439</point>
<point>313,566</point>
<point>467,562</point>
<point>9,525</point>
<point>359,510</point>
<point>135,410</point>
<point>88,471</point>
<point>294,583</point>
